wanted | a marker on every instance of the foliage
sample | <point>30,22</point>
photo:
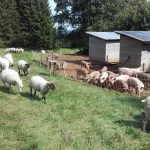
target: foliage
<point>102,15</point>
<point>27,23</point>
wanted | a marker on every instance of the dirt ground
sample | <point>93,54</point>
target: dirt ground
<point>74,63</point>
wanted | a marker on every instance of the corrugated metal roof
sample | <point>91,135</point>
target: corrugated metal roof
<point>143,36</point>
<point>105,35</point>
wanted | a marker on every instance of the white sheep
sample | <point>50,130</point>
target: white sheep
<point>21,50</point>
<point>9,58</point>
<point>146,112</point>
<point>40,84</point>
<point>24,66</point>
<point>4,63</point>
<point>11,77</point>
<point>43,51</point>
<point>12,49</point>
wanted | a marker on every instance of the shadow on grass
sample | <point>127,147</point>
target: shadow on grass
<point>136,123</point>
<point>7,90</point>
<point>44,74</point>
<point>130,123</point>
<point>32,98</point>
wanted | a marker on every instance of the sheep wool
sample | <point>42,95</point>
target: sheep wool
<point>146,112</point>
<point>24,66</point>
<point>9,58</point>
<point>40,84</point>
<point>4,63</point>
<point>11,77</point>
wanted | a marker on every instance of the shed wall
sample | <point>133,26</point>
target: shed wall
<point>130,47</point>
<point>97,49</point>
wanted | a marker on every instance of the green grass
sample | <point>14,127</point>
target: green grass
<point>76,116</point>
<point>68,50</point>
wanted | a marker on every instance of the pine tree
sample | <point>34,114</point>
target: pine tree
<point>36,23</point>
<point>9,22</point>
<point>26,23</point>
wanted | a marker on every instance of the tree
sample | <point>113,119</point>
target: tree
<point>86,15</point>
<point>135,16</point>
<point>102,15</point>
<point>36,23</point>
<point>9,22</point>
<point>27,23</point>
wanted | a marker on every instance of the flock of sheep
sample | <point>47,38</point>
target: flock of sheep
<point>14,50</point>
<point>11,77</point>
<point>124,80</point>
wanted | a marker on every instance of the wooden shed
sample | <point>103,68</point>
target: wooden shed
<point>104,47</point>
<point>135,49</point>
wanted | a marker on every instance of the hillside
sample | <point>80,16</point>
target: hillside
<point>76,116</point>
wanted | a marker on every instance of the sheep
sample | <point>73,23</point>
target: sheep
<point>81,72</point>
<point>145,78</point>
<point>12,49</point>
<point>43,51</point>
<point>136,84</point>
<point>11,77</point>
<point>146,112</point>
<point>19,50</point>
<point>40,84</point>
<point>130,71</point>
<point>120,85</point>
<point>4,63</point>
<point>9,58</point>
<point>85,65</point>
<point>24,66</point>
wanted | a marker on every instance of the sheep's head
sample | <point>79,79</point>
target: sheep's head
<point>50,85</point>
<point>27,65</point>
<point>18,83</point>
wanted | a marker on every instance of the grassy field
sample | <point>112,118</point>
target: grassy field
<point>76,117</point>
<point>68,50</point>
